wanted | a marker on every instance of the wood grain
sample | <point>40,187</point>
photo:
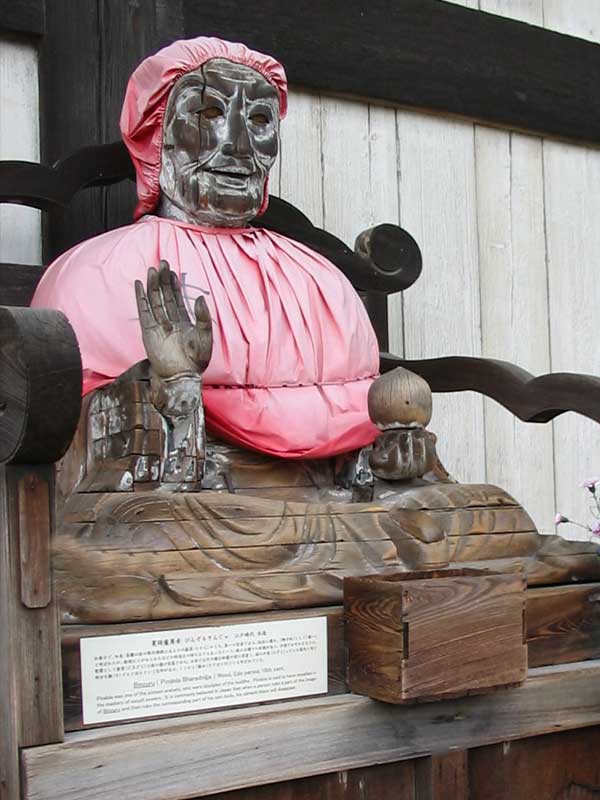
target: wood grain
<point>572,206</point>
<point>201,755</point>
<point>31,697</point>
<point>34,527</point>
<point>18,282</point>
<point>411,637</point>
<point>444,777</point>
<point>562,766</point>
<point>432,155</point>
<point>378,782</point>
<point>152,555</point>
<point>40,385</point>
<point>563,624</point>
<point>514,287</point>
<point>20,227</point>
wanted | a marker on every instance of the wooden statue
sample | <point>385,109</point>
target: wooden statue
<point>309,470</point>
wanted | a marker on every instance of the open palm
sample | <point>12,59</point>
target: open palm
<point>173,344</point>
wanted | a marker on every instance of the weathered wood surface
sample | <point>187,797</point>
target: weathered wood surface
<point>36,512</point>
<point>420,636</point>
<point>20,227</point>
<point>18,282</point>
<point>23,16</point>
<point>72,635</point>
<point>200,755</point>
<point>532,399</point>
<point>563,624</point>
<point>378,782</point>
<point>444,777</point>
<point>40,385</point>
<point>465,53</point>
<point>561,766</point>
<point>31,697</point>
<point>152,555</point>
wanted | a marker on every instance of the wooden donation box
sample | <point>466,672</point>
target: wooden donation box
<point>431,635</point>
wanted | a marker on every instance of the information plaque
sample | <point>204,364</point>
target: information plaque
<point>135,675</point>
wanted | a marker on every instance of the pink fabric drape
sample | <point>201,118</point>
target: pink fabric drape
<point>294,351</point>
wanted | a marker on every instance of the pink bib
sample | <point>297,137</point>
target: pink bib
<point>294,351</point>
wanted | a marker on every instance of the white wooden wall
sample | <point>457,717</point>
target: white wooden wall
<point>509,227</point>
<point>20,232</point>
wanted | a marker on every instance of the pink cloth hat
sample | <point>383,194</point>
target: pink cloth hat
<point>146,100</point>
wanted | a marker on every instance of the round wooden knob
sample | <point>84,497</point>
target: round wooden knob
<point>40,385</point>
<point>400,399</point>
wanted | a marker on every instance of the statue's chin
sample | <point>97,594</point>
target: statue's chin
<point>216,201</point>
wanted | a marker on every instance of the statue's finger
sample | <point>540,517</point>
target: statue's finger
<point>202,313</point>
<point>166,288</point>
<point>155,300</point>
<point>177,294</point>
<point>144,313</point>
<point>203,332</point>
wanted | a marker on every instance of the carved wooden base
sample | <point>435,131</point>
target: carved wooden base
<point>158,555</point>
<point>262,533</point>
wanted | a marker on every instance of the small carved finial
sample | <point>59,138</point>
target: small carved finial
<point>400,399</point>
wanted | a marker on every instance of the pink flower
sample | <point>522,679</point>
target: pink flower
<point>595,529</point>
<point>591,484</point>
<point>559,519</point>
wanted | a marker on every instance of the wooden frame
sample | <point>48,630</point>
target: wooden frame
<point>200,755</point>
<point>23,16</point>
<point>425,54</point>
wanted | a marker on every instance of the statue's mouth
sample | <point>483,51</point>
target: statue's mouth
<point>235,177</point>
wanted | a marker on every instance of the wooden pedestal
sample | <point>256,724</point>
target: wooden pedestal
<point>420,636</point>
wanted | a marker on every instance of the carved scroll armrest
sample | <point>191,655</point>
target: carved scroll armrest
<point>40,385</point>
<point>531,398</point>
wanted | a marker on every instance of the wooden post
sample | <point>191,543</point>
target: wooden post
<point>40,390</point>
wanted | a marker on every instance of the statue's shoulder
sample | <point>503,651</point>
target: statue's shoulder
<point>117,254</point>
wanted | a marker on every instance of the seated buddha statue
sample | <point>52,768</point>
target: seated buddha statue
<point>313,466</point>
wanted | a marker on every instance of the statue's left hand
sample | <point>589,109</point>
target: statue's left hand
<point>174,345</point>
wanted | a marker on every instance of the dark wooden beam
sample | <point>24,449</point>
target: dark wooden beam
<point>87,55</point>
<point>423,53</point>
<point>532,399</point>
<point>23,16</point>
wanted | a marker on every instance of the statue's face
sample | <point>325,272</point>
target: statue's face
<point>220,139</point>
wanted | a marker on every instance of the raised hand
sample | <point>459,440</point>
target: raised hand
<point>174,346</point>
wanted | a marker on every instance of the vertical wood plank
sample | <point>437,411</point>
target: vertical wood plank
<point>9,668</point>
<point>572,178</point>
<point>79,112</point>
<point>20,227</point>
<point>442,777</point>
<point>34,525</point>
<point>552,766</point>
<point>514,291</point>
<point>359,167</point>
<point>378,782</point>
<point>301,180</point>
<point>31,692</point>
<point>359,177</point>
<point>442,310</point>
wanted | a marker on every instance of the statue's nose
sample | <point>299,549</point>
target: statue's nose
<point>237,141</point>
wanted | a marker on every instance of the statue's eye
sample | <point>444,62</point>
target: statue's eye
<point>212,112</point>
<point>259,119</point>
